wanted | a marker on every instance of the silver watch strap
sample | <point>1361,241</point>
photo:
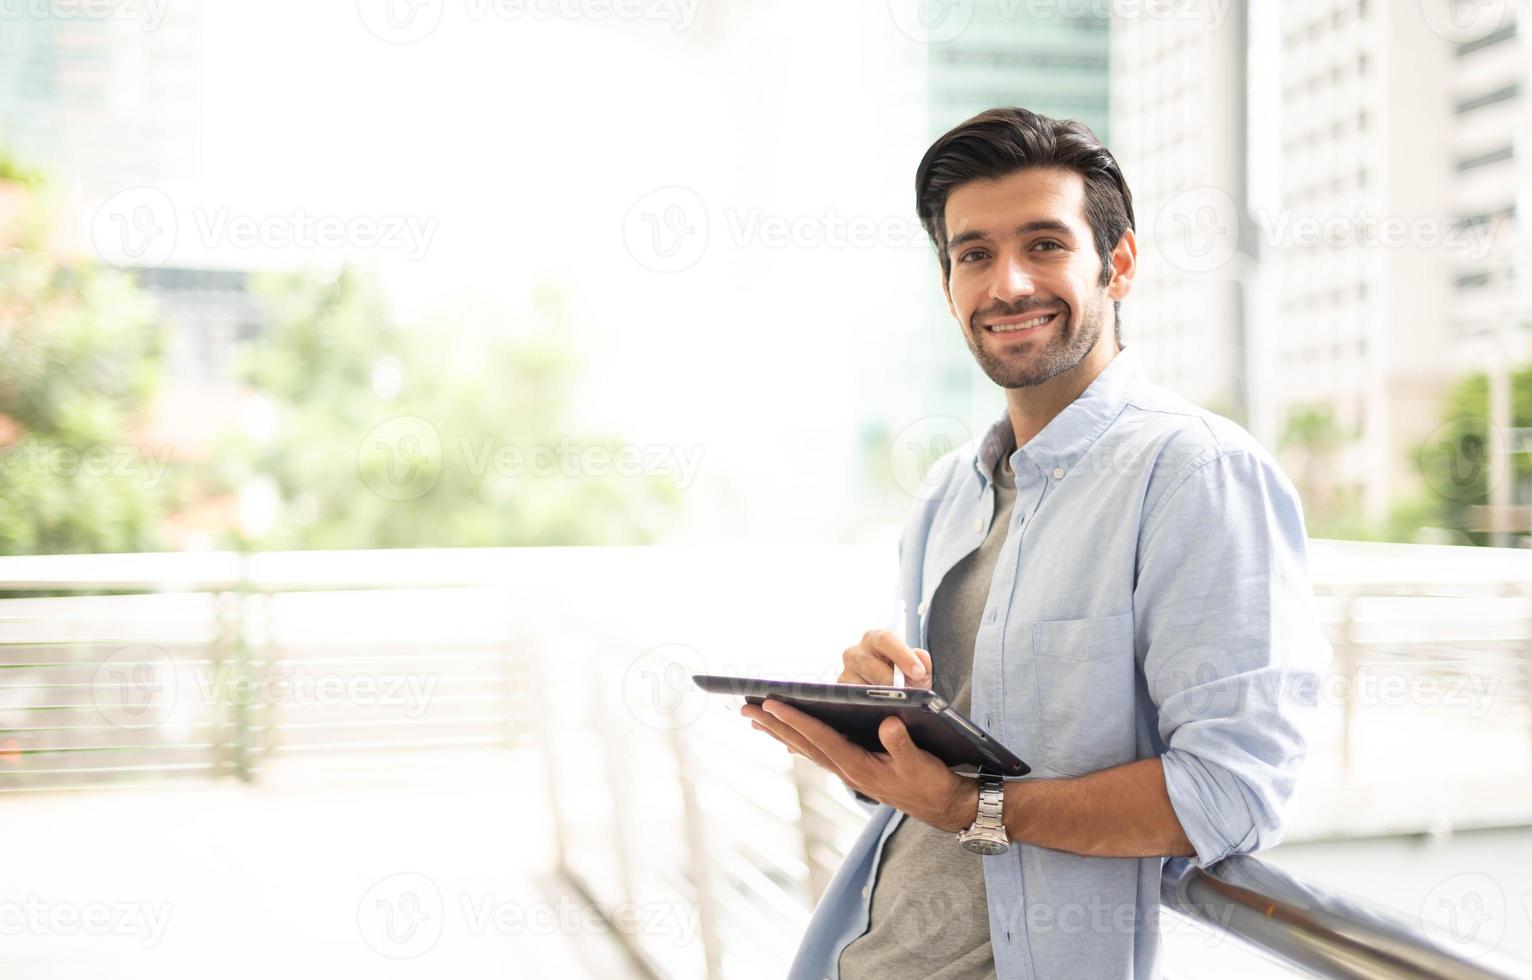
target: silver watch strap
<point>991,803</point>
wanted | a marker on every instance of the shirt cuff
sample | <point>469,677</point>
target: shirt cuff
<point>1190,785</point>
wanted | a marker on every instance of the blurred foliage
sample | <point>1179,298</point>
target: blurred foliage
<point>1455,461</point>
<point>80,359</point>
<point>339,400</point>
<point>366,434</point>
<point>1315,439</point>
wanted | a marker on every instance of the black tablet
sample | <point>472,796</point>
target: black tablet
<point>855,710</point>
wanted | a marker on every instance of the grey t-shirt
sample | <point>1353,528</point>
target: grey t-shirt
<point>929,913</point>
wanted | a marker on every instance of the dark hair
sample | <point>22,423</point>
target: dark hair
<point>998,142</point>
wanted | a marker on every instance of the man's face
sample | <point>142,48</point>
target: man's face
<point>1026,281</point>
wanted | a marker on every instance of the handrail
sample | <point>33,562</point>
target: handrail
<point>1308,927</point>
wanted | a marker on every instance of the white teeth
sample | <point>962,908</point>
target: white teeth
<point>1023,325</point>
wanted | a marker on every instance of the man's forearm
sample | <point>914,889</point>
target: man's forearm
<point>1121,812</point>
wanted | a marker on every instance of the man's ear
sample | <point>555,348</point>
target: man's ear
<point>1124,266</point>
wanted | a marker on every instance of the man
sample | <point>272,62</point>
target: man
<point>1112,581</point>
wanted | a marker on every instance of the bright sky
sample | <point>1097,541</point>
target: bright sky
<point>524,145</point>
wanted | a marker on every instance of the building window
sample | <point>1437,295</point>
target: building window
<point>1484,159</point>
<point>1489,98</point>
<point>1489,40</point>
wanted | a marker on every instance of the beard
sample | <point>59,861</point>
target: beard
<point>1032,362</point>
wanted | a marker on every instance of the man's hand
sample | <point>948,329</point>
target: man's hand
<point>872,661</point>
<point>905,777</point>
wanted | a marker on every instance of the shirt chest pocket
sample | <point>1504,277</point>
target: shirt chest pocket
<point>1084,687</point>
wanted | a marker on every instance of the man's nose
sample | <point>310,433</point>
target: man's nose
<point>1012,281</point>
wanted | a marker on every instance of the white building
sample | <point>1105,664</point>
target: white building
<point>1363,328</point>
<point>1178,131</point>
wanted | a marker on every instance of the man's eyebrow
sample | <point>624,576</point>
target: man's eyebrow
<point>1031,227</point>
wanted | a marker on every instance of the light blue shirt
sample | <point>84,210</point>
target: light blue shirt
<point>1152,600</point>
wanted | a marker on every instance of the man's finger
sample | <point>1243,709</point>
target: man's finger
<point>794,741</point>
<point>896,739</point>
<point>887,644</point>
<point>842,754</point>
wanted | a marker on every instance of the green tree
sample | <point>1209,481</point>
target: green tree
<point>1315,437</point>
<point>80,356</point>
<point>1455,460</point>
<point>367,434</point>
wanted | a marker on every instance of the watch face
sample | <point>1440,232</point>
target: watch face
<point>980,845</point>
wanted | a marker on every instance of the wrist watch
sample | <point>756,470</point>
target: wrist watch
<point>987,834</point>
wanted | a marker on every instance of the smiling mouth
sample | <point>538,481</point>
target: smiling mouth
<point>1014,325</point>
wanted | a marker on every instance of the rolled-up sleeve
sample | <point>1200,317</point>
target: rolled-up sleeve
<point>1231,652</point>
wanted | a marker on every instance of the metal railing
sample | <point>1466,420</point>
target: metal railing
<point>662,797</point>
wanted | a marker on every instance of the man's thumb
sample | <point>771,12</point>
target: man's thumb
<point>894,736</point>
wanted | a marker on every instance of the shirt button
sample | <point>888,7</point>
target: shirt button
<point>866,890</point>
<point>921,609</point>
<point>978,524</point>
<point>1058,473</point>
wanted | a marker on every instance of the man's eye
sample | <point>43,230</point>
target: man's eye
<point>1053,244</point>
<point>970,253</point>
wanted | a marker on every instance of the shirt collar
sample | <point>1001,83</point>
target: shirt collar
<point>1064,440</point>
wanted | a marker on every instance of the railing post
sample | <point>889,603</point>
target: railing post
<point>811,825</point>
<point>1346,662</point>
<point>699,866</point>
